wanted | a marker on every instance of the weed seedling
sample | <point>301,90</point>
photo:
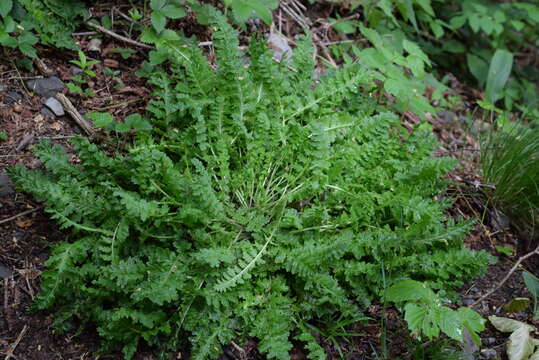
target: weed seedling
<point>81,79</point>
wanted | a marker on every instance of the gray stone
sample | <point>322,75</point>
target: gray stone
<point>489,341</point>
<point>46,87</point>
<point>95,45</point>
<point>75,70</point>
<point>5,272</point>
<point>280,48</point>
<point>46,112</point>
<point>467,302</point>
<point>489,353</point>
<point>6,186</point>
<point>55,106</point>
<point>13,97</point>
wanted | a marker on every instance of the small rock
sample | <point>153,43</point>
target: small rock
<point>46,112</point>
<point>466,302</point>
<point>5,272</point>
<point>75,70</point>
<point>95,45</point>
<point>46,87</point>
<point>55,106</point>
<point>6,186</point>
<point>13,98</point>
<point>489,353</point>
<point>280,48</point>
<point>489,341</point>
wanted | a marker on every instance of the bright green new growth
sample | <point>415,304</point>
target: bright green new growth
<point>262,205</point>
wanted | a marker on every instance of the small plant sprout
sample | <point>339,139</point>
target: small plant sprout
<point>85,65</point>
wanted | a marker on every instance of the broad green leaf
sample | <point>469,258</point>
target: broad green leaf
<point>517,24</point>
<point>74,89</point>
<point>157,4</point>
<point>474,22</point>
<point>473,321</point>
<point>425,5</point>
<point>498,73</point>
<point>137,122</point>
<point>506,324</point>
<point>159,21</point>
<point>5,7</point>
<point>517,305</point>
<point>9,24</point>
<point>479,7</point>
<point>436,28</point>
<point>487,25</point>
<point>101,119</point>
<point>149,35</point>
<point>121,127</point>
<point>450,323</point>
<point>532,11</point>
<point>453,46</point>
<point>499,16</point>
<point>520,345</point>
<point>457,22</point>
<point>421,320</point>
<point>478,67</point>
<point>173,12</point>
<point>27,50</point>
<point>532,283</point>
<point>345,27</point>
<point>246,9</point>
<point>409,290</point>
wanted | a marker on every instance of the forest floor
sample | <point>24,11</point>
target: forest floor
<point>26,231</point>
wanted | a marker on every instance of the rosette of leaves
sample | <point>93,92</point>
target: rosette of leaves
<point>262,205</point>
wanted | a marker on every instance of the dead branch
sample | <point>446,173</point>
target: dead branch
<point>74,113</point>
<point>12,348</point>
<point>506,277</point>
<point>119,37</point>
<point>20,214</point>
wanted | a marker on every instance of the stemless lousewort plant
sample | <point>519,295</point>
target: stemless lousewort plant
<point>259,204</point>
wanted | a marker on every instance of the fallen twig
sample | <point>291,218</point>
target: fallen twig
<point>20,214</point>
<point>71,110</point>
<point>119,37</point>
<point>42,67</point>
<point>12,348</point>
<point>84,33</point>
<point>500,284</point>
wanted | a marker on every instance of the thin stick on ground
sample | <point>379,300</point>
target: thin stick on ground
<point>119,37</point>
<point>74,113</point>
<point>12,348</point>
<point>500,284</point>
<point>20,214</point>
